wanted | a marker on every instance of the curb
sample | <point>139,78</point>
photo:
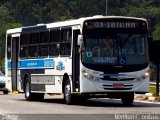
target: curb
<point>147,97</point>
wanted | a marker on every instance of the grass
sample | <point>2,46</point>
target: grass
<point>152,90</point>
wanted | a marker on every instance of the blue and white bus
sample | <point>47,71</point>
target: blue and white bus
<point>104,56</point>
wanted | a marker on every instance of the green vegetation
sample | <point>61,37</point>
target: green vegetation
<point>153,90</point>
<point>16,13</point>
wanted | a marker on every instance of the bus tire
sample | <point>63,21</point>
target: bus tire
<point>127,99</point>
<point>28,94</point>
<point>68,97</point>
<point>5,92</point>
<point>32,96</point>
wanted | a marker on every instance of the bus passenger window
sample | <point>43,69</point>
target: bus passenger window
<point>33,51</point>
<point>43,44</point>
<point>24,45</point>
<point>65,49</point>
<point>43,50</point>
<point>65,45</point>
<point>44,37</point>
<point>53,50</point>
<point>24,39</point>
<point>66,35</point>
<point>54,35</point>
<point>34,38</point>
<point>8,47</point>
<point>24,52</point>
<point>54,40</point>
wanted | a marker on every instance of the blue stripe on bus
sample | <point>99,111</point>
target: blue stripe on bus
<point>35,63</point>
<point>32,28</point>
<point>9,64</point>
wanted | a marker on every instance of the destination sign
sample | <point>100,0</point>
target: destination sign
<point>114,24</point>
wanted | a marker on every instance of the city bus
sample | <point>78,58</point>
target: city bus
<point>99,56</point>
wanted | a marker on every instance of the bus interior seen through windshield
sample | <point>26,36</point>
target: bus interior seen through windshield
<point>115,49</point>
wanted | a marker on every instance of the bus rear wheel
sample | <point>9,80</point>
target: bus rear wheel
<point>32,96</point>
<point>127,99</point>
<point>5,92</point>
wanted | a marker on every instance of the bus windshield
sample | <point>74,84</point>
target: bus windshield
<point>115,48</point>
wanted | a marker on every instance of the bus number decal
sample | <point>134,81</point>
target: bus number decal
<point>48,63</point>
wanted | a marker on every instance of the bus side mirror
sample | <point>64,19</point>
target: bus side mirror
<point>80,39</point>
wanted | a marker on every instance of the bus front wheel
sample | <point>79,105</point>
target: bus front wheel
<point>68,97</point>
<point>127,98</point>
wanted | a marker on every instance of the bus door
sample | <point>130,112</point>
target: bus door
<point>75,62</point>
<point>14,61</point>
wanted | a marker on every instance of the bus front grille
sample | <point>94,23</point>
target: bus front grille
<point>117,88</point>
<point>107,78</point>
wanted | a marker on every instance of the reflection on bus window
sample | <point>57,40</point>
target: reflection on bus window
<point>53,50</point>
<point>34,38</point>
<point>24,52</point>
<point>126,44</point>
<point>54,35</point>
<point>140,47</point>
<point>44,37</point>
<point>33,51</point>
<point>108,49</point>
<point>65,45</point>
<point>65,49</point>
<point>43,50</point>
<point>9,47</point>
<point>24,39</point>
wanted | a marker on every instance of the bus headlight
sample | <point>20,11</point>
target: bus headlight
<point>146,75</point>
<point>89,76</point>
<point>85,73</point>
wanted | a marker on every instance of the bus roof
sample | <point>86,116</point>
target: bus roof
<point>64,23</point>
<point>81,20</point>
<point>26,29</point>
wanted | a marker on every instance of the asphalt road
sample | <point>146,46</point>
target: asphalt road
<point>14,105</point>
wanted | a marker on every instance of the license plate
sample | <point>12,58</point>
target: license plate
<point>118,85</point>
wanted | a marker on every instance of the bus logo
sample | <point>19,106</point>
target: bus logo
<point>60,66</point>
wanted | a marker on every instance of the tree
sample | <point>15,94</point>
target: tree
<point>16,13</point>
<point>156,32</point>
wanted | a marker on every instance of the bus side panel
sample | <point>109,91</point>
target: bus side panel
<point>28,72</point>
<point>62,66</point>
